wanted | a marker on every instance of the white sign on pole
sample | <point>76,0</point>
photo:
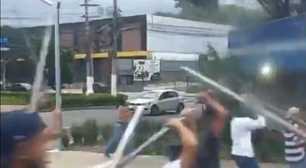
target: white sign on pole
<point>146,70</point>
<point>5,49</point>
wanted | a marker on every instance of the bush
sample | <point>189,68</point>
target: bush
<point>68,100</point>
<point>90,132</point>
<point>77,135</point>
<point>65,139</point>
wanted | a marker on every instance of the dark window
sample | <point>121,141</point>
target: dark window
<point>165,95</point>
<point>172,94</point>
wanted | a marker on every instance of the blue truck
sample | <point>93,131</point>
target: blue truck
<point>282,42</point>
<point>280,46</point>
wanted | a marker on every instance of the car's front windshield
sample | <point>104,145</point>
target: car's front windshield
<point>149,95</point>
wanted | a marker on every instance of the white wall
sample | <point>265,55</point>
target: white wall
<point>170,35</point>
<point>174,56</point>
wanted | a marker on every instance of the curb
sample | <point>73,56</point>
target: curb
<point>8,108</point>
<point>83,108</point>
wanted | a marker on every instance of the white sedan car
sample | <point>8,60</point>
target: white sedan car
<point>158,101</point>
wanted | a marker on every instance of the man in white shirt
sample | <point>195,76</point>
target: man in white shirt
<point>241,134</point>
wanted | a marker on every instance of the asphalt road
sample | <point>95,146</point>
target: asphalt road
<point>102,116</point>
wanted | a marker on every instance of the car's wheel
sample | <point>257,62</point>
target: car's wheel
<point>154,110</point>
<point>179,108</point>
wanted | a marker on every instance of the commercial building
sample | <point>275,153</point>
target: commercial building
<point>139,37</point>
<point>147,37</point>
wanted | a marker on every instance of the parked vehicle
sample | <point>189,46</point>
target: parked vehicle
<point>20,87</point>
<point>158,102</point>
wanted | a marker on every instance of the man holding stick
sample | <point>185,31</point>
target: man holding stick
<point>294,145</point>
<point>121,124</point>
<point>209,111</point>
<point>186,128</point>
<point>24,137</point>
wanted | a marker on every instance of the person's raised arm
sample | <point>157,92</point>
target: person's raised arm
<point>220,115</point>
<point>253,124</point>
<point>53,131</point>
<point>189,141</point>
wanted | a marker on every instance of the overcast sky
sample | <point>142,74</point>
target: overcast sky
<point>71,10</point>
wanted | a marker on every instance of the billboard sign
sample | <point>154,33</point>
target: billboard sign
<point>4,44</point>
<point>146,70</point>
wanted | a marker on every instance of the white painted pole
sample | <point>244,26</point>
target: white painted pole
<point>58,68</point>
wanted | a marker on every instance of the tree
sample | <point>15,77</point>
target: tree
<point>25,44</point>
<point>210,63</point>
<point>20,42</point>
<point>66,61</point>
<point>275,8</point>
<point>16,42</point>
<point>206,4</point>
<point>228,14</point>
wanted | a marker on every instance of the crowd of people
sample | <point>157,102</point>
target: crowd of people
<point>24,136</point>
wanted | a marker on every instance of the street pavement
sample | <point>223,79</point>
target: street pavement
<point>69,159</point>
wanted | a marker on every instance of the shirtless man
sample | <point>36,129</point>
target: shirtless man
<point>210,112</point>
<point>186,129</point>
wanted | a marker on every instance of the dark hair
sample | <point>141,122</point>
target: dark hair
<point>243,111</point>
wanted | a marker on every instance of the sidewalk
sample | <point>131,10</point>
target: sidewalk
<point>6,108</point>
<point>71,159</point>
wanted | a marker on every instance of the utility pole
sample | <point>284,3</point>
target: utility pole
<point>114,53</point>
<point>89,61</point>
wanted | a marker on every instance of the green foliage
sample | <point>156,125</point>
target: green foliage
<point>16,42</point>
<point>276,9</point>
<point>66,59</point>
<point>77,134</point>
<point>90,132</point>
<point>25,43</point>
<point>210,64</point>
<point>228,14</point>
<point>68,100</point>
<point>205,4</point>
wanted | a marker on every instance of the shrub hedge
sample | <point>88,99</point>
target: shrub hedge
<point>268,149</point>
<point>68,100</point>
